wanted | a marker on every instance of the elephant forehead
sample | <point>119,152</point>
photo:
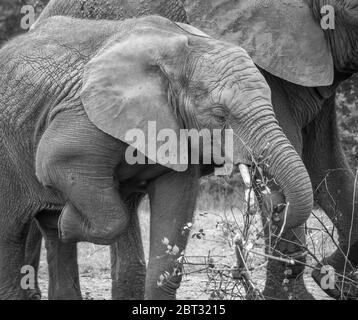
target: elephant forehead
<point>281,36</point>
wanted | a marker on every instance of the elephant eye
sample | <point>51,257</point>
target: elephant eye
<point>219,112</point>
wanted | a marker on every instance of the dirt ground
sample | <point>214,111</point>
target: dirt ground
<point>94,261</point>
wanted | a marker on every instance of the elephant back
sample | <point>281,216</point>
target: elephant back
<point>115,9</point>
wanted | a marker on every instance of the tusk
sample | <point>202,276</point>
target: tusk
<point>249,193</point>
<point>245,173</point>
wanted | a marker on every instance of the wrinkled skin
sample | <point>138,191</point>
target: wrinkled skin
<point>115,9</point>
<point>308,118</point>
<point>310,124</point>
<point>127,268</point>
<point>72,166</point>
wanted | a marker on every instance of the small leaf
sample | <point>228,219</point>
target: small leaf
<point>165,241</point>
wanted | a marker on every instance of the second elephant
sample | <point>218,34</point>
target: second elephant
<point>305,49</point>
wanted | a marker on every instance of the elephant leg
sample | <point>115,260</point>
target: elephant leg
<point>127,259</point>
<point>63,274</point>
<point>32,257</point>
<point>16,278</point>
<point>64,283</point>
<point>172,201</point>
<point>283,280</point>
<point>17,275</point>
<point>334,185</point>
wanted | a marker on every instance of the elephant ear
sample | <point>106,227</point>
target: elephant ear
<point>125,88</point>
<point>281,36</point>
<point>191,30</point>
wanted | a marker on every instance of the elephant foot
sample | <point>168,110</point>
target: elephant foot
<point>295,290</point>
<point>285,282</point>
<point>129,288</point>
<point>339,290</point>
<point>329,277</point>
<point>74,227</point>
<point>34,294</point>
<point>71,225</point>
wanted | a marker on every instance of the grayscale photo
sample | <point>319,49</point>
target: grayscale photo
<point>202,151</point>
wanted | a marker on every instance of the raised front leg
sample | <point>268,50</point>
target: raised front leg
<point>334,185</point>
<point>172,201</point>
<point>127,259</point>
<point>78,160</point>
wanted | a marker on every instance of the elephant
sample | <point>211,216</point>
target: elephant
<point>303,67</point>
<point>72,90</point>
<point>128,270</point>
<point>126,267</point>
<point>304,49</point>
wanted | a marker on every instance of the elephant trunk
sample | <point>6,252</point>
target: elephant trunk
<point>257,128</point>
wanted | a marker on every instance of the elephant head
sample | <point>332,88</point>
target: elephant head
<point>293,40</point>
<point>310,43</point>
<point>178,77</point>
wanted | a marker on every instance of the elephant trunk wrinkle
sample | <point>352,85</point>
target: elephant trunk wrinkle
<point>264,139</point>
